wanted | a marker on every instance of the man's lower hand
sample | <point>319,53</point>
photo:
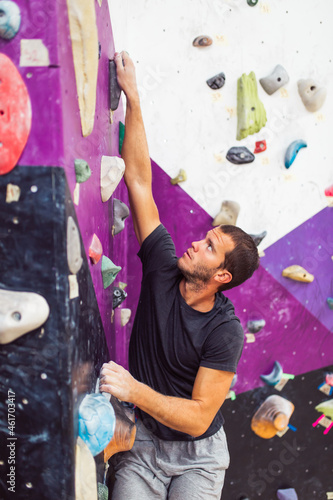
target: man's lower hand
<point>117,381</point>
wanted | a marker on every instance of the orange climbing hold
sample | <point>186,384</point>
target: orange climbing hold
<point>15,115</point>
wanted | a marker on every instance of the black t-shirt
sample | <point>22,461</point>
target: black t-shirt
<point>170,340</point>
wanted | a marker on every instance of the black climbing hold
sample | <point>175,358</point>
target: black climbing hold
<point>115,90</point>
<point>240,155</point>
<point>257,238</point>
<point>119,295</point>
<point>217,81</point>
<point>99,50</point>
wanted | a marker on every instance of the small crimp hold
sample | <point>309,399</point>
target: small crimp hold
<point>82,171</point>
<point>10,19</point>
<point>260,146</point>
<point>330,302</point>
<point>240,155</point>
<point>115,90</point>
<point>13,193</point>
<point>312,94</point>
<point>277,79</point>
<point>257,238</point>
<point>216,82</point>
<point>120,214</point>
<point>297,273</point>
<point>292,152</point>
<point>181,177</point>
<point>119,295</point>
<point>109,271</point>
<point>254,326</point>
<point>252,3</point>
<point>121,136</point>
<point>95,250</point>
<point>202,41</point>
<point>275,376</point>
<point>228,213</point>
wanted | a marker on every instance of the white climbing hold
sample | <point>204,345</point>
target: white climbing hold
<point>74,257</point>
<point>112,170</point>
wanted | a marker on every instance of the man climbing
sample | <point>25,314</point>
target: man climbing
<point>185,344</point>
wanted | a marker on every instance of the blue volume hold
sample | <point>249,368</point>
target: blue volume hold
<point>275,376</point>
<point>10,19</point>
<point>292,152</point>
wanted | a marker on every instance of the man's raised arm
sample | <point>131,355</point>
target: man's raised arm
<point>135,154</point>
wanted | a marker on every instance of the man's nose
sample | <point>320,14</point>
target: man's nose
<point>195,245</point>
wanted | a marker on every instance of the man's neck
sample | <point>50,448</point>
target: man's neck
<point>202,299</point>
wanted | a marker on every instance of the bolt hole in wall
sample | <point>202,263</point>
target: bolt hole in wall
<point>193,126</point>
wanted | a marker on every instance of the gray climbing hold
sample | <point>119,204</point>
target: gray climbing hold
<point>254,326</point>
<point>10,19</point>
<point>216,82</point>
<point>288,494</point>
<point>120,213</point>
<point>82,171</point>
<point>109,271</point>
<point>240,155</point>
<point>202,41</point>
<point>74,257</point>
<point>275,376</point>
<point>119,295</point>
<point>277,79</point>
<point>312,94</point>
<point>330,302</point>
<point>115,90</point>
<point>257,238</point>
<point>20,313</point>
<point>292,152</point>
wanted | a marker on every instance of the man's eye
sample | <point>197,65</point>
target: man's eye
<point>210,248</point>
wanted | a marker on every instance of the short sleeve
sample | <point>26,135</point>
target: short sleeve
<point>157,250</point>
<point>223,347</point>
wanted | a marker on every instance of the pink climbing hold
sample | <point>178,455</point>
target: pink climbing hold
<point>329,379</point>
<point>260,146</point>
<point>95,250</point>
<point>329,191</point>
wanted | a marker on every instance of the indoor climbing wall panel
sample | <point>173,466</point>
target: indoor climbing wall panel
<point>56,244</point>
<point>260,149</point>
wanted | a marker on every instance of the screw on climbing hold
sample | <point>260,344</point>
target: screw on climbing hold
<point>10,19</point>
<point>109,271</point>
<point>82,171</point>
<point>260,147</point>
<point>297,273</point>
<point>202,41</point>
<point>277,79</point>
<point>181,177</point>
<point>216,82</point>
<point>272,416</point>
<point>228,213</point>
<point>287,494</point>
<point>115,90</point>
<point>119,295</point>
<point>112,170</point>
<point>312,94</point>
<point>275,376</point>
<point>254,326</point>
<point>257,238</point>
<point>240,155</point>
<point>252,3</point>
<point>120,213</point>
<point>95,249</point>
<point>292,152</point>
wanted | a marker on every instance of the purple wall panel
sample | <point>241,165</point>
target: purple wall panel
<point>311,246</point>
<point>93,215</point>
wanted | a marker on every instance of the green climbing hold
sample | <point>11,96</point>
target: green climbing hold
<point>109,271</point>
<point>252,3</point>
<point>121,135</point>
<point>326,408</point>
<point>82,171</point>
<point>102,491</point>
<point>251,114</point>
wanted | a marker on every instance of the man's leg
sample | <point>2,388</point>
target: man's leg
<point>136,473</point>
<point>204,477</point>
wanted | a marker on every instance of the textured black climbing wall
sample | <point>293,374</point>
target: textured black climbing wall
<point>300,459</point>
<point>50,369</point>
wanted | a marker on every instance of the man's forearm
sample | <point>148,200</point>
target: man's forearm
<point>135,148</point>
<point>184,415</point>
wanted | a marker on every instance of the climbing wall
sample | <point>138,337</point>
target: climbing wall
<point>284,191</point>
<point>58,254</point>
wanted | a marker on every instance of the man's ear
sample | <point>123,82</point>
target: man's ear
<point>223,276</point>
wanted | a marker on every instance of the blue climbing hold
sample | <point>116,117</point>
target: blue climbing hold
<point>10,19</point>
<point>97,422</point>
<point>288,494</point>
<point>275,376</point>
<point>292,152</point>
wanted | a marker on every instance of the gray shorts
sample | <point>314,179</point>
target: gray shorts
<point>155,469</point>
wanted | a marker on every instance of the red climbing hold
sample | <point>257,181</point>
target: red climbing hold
<point>329,191</point>
<point>15,115</point>
<point>260,146</point>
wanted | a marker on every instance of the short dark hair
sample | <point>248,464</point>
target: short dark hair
<point>243,260</point>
